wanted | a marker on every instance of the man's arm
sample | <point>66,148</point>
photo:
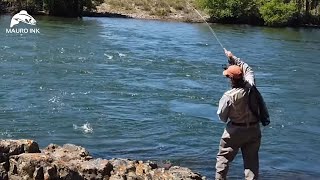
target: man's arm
<point>248,73</point>
<point>223,110</point>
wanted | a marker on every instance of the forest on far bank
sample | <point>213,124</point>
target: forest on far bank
<point>256,12</point>
<point>267,12</point>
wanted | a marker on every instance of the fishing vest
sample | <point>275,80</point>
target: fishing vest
<point>239,110</point>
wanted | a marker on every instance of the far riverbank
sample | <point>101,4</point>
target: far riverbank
<point>179,14</point>
<point>178,11</point>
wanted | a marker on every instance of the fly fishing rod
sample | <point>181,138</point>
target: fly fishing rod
<point>212,31</point>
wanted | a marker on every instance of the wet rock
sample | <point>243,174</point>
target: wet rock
<point>22,159</point>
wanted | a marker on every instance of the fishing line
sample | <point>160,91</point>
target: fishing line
<point>212,31</point>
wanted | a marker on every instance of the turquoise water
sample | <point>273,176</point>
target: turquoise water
<point>149,90</point>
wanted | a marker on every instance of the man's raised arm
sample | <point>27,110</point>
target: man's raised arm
<point>248,74</point>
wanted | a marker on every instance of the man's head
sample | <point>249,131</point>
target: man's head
<point>234,73</point>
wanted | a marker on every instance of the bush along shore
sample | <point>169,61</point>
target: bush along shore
<point>22,159</point>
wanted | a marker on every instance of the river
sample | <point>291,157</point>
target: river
<point>149,90</point>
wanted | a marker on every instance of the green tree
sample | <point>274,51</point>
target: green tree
<point>242,11</point>
<point>15,6</point>
<point>69,8</point>
<point>278,13</point>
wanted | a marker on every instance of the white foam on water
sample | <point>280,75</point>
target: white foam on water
<point>54,99</point>
<point>85,128</point>
<point>108,56</point>
<point>85,93</point>
<point>62,50</point>
<point>121,54</point>
<point>6,134</point>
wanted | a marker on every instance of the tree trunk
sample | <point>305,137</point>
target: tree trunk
<point>307,8</point>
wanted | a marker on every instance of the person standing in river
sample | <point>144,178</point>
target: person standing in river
<point>242,128</point>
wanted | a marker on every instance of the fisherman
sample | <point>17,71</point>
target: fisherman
<point>242,129</point>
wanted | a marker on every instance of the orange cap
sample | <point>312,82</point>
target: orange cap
<point>233,72</point>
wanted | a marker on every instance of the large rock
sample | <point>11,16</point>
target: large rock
<point>56,162</point>
<point>67,152</point>
<point>139,170</point>
<point>14,147</point>
<point>22,160</point>
<point>32,166</point>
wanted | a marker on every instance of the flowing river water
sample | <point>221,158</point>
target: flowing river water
<point>149,90</point>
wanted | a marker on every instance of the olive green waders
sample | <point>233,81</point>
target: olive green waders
<point>239,137</point>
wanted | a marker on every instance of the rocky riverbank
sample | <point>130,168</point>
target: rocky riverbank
<point>182,12</point>
<point>22,159</point>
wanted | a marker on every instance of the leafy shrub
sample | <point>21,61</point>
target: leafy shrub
<point>230,10</point>
<point>278,13</point>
